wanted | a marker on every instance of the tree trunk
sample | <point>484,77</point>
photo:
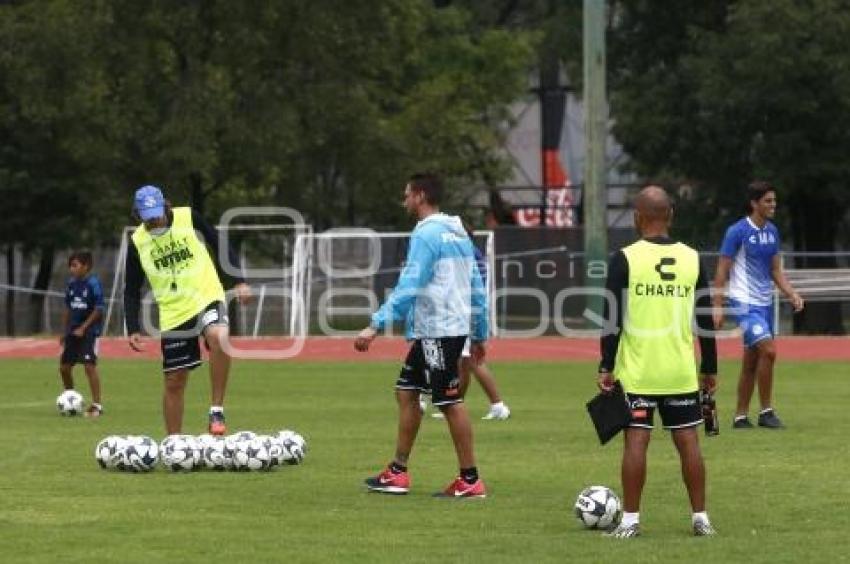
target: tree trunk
<point>10,293</point>
<point>42,281</point>
<point>816,220</point>
<point>197,196</point>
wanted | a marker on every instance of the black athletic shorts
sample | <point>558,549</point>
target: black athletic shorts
<point>432,367</point>
<point>80,350</point>
<point>677,411</point>
<point>180,346</point>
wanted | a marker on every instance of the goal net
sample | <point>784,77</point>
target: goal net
<point>340,277</point>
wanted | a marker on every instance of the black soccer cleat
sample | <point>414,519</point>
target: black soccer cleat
<point>742,423</point>
<point>769,420</point>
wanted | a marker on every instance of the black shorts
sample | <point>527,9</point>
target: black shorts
<point>180,346</point>
<point>677,411</point>
<point>81,350</point>
<point>432,367</point>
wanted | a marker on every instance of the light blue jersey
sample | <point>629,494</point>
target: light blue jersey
<point>752,250</point>
<point>439,292</point>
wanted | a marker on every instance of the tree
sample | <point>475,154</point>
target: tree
<point>51,143</point>
<point>721,92</point>
<point>382,89</point>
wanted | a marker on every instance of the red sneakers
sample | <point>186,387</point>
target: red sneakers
<point>389,482</point>
<point>217,426</point>
<point>460,489</point>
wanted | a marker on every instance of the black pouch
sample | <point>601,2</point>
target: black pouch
<point>609,412</point>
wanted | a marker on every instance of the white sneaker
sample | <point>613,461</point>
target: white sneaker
<point>438,415</point>
<point>703,528</point>
<point>498,411</point>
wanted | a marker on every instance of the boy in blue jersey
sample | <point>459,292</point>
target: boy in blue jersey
<point>749,259</point>
<point>81,322</point>
<point>442,287</point>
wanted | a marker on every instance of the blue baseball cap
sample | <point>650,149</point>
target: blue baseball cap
<point>149,203</point>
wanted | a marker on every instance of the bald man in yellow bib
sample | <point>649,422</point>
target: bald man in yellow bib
<point>653,287</point>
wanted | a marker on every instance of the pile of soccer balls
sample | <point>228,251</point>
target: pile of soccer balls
<point>597,507</point>
<point>244,451</point>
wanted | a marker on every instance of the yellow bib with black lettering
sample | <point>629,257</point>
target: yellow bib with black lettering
<point>179,270</point>
<point>656,350</point>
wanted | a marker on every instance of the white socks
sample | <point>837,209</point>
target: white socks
<point>216,409</point>
<point>701,516</point>
<point>630,519</point>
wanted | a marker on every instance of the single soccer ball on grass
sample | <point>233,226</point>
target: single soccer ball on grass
<point>69,403</point>
<point>598,507</point>
<point>180,453</point>
<point>140,454</point>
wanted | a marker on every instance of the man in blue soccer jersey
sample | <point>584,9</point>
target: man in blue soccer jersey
<point>442,287</point>
<point>81,323</point>
<point>749,259</point>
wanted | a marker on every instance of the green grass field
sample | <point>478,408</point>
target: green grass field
<point>773,496</point>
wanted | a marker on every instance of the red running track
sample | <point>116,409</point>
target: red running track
<point>342,349</point>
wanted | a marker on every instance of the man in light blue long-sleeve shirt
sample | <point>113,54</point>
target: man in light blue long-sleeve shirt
<point>441,297</point>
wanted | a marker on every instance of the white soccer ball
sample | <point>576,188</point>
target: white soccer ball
<point>231,442</point>
<point>69,403</point>
<point>252,454</point>
<point>275,448</point>
<point>242,436</point>
<point>598,507</point>
<point>180,453</point>
<point>109,452</point>
<point>213,453</point>
<point>140,454</point>
<point>294,447</point>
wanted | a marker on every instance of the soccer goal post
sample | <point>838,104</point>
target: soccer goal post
<point>341,276</point>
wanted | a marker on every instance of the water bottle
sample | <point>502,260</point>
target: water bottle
<point>709,414</point>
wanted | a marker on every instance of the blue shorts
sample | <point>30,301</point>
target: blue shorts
<point>756,322</point>
<point>80,350</point>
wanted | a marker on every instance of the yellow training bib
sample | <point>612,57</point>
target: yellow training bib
<point>179,270</point>
<point>656,352</point>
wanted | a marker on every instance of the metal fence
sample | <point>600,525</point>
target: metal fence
<point>538,273</point>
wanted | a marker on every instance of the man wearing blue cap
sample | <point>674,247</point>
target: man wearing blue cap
<point>167,251</point>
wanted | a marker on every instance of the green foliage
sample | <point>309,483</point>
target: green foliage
<point>720,92</point>
<point>325,107</point>
<point>773,496</point>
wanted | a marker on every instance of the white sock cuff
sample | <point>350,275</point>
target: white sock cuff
<point>700,516</point>
<point>630,518</point>
<point>216,409</point>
